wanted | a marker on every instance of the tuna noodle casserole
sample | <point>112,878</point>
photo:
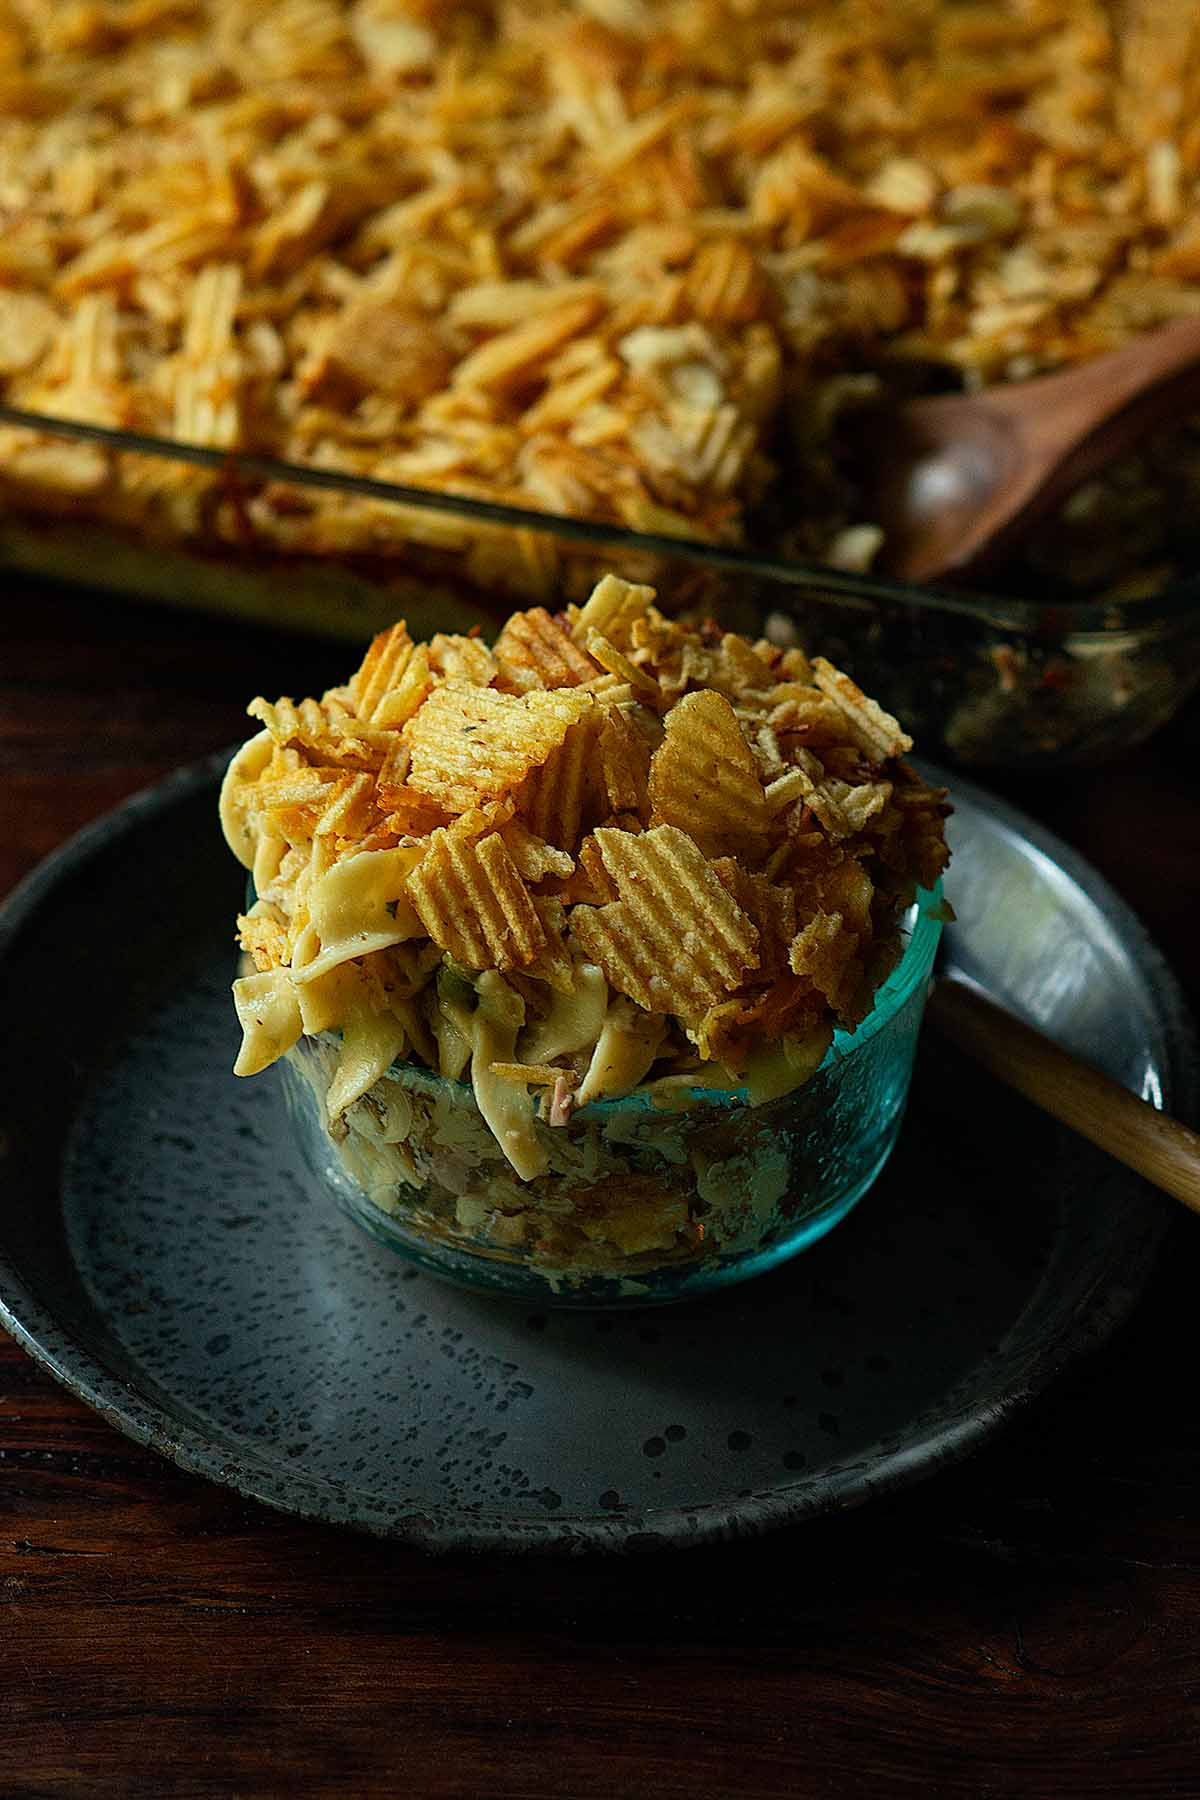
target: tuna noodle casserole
<point>612,855</point>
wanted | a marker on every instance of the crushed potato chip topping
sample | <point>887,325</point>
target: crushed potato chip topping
<point>531,861</point>
<point>577,257</point>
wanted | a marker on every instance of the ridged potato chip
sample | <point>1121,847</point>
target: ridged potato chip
<point>825,952</point>
<point>553,799</point>
<point>611,609</point>
<point>704,779</point>
<point>347,818</point>
<point>534,651</point>
<point>624,764</point>
<point>408,811</point>
<point>553,963</point>
<point>468,744</point>
<point>401,701</point>
<point>675,941</point>
<point>591,884</point>
<point>876,731</point>
<point>472,902</point>
<point>457,658</point>
<point>330,736</point>
<point>506,359</point>
<point>293,806</point>
<point>769,906</point>
<point>826,879</point>
<point>790,1004</point>
<point>534,858</point>
<point>381,668</point>
<point>606,653</point>
<point>842,808</point>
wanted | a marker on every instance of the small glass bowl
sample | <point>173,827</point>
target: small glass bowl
<point>647,1198</point>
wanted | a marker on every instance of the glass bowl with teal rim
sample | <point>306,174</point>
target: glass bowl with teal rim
<point>647,1198</point>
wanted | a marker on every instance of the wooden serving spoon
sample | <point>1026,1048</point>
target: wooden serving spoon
<point>1090,1102</point>
<point>963,475</point>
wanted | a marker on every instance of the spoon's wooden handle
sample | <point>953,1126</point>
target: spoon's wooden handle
<point>1091,1103</point>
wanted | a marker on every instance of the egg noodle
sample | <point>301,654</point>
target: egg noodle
<point>613,851</point>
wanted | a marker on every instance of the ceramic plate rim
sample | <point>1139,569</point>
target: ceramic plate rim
<point>937,1440</point>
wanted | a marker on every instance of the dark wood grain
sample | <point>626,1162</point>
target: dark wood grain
<point>1026,1625</point>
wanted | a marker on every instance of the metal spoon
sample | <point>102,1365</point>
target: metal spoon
<point>963,475</point>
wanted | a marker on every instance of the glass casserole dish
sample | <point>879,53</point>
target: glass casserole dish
<point>984,679</point>
<point>434,288</point>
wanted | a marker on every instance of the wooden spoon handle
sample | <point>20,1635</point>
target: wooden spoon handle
<point>1057,410</point>
<point>1091,1103</point>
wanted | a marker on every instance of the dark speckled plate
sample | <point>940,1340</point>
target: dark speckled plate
<point>160,1256</point>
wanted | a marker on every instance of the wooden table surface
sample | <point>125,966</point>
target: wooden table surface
<point>1027,1624</point>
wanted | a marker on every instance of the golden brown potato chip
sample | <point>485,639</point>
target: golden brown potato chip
<point>610,690</point>
<point>534,651</point>
<point>805,716</point>
<point>552,800</point>
<point>704,779</point>
<point>393,774</point>
<point>611,609</point>
<point>553,963</point>
<point>514,356</point>
<point>725,283</point>
<point>457,658</point>
<point>591,883</point>
<point>472,902</point>
<point>534,858</point>
<point>381,668</point>
<point>874,730</point>
<point>769,906</point>
<point>845,810</point>
<point>412,814</point>
<point>262,933</point>
<point>328,737</point>
<point>767,753</point>
<point>348,817</point>
<point>293,805</point>
<point>825,952</point>
<point>842,808</point>
<point>847,888</point>
<point>675,941</point>
<point>624,764</point>
<point>790,1004</point>
<point>470,744</point>
<point>617,663</point>
<point>659,645</point>
<point>401,701</point>
<point>794,784</point>
<point>741,671</point>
